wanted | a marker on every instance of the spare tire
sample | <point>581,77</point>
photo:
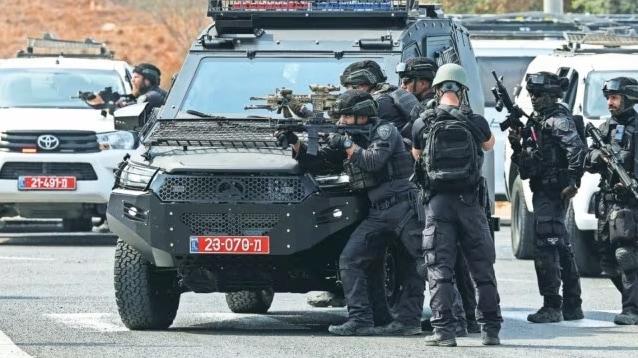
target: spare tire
<point>250,301</point>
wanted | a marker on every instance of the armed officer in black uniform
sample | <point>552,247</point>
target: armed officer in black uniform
<point>416,76</point>
<point>394,105</point>
<point>379,166</point>
<point>449,147</point>
<point>617,210</point>
<point>145,88</point>
<point>551,156</point>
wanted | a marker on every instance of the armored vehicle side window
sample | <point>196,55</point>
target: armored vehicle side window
<point>53,87</point>
<point>595,104</point>
<point>244,78</point>
<point>511,68</point>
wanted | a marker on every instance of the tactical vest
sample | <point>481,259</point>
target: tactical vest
<point>622,138</point>
<point>544,161</point>
<point>403,100</point>
<point>399,166</point>
<point>452,157</point>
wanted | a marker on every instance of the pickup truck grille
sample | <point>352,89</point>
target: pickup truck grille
<point>235,189</point>
<point>81,171</point>
<point>50,141</point>
<point>229,224</point>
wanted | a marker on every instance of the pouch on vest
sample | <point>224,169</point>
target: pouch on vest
<point>622,226</point>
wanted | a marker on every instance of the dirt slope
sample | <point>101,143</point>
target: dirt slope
<point>134,35</point>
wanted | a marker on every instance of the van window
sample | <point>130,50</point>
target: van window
<point>595,104</point>
<point>512,68</point>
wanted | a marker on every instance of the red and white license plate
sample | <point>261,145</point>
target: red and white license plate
<point>254,245</point>
<point>47,183</point>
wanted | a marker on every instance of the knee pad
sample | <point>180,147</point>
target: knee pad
<point>627,259</point>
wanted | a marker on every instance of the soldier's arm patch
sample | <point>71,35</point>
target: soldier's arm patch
<point>562,124</point>
<point>384,131</point>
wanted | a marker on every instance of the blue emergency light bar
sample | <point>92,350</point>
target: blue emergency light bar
<point>246,16</point>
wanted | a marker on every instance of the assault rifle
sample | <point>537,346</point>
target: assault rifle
<point>319,127</point>
<point>320,98</point>
<point>106,94</point>
<point>503,99</point>
<point>613,163</point>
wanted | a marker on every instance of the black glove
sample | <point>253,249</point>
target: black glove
<point>514,138</point>
<point>286,138</point>
<point>597,156</point>
<point>336,141</point>
<point>569,192</point>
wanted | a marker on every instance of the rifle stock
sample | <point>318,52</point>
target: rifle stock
<point>613,163</point>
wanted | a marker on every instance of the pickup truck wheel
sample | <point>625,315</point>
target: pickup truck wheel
<point>77,225</point>
<point>143,293</point>
<point>587,260</point>
<point>522,230</point>
<point>250,301</point>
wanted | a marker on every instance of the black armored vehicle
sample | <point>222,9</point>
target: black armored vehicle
<point>209,202</point>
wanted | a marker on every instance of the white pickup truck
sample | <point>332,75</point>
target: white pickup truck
<point>57,154</point>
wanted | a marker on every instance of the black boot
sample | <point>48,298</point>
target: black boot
<point>546,315</point>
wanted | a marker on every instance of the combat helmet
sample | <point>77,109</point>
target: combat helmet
<point>626,87</point>
<point>355,102</point>
<point>449,77</point>
<point>362,73</point>
<point>418,67</point>
<point>546,82</point>
<point>149,72</point>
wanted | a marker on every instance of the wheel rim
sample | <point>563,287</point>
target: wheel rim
<point>389,266</point>
<point>516,221</point>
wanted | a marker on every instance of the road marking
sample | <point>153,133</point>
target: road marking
<point>99,322</point>
<point>8,349</point>
<point>583,323</point>
<point>26,258</point>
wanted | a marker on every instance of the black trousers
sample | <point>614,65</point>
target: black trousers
<point>553,254</point>
<point>627,279</point>
<point>360,265</point>
<point>456,221</point>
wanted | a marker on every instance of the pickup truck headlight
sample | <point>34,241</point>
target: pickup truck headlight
<point>116,140</point>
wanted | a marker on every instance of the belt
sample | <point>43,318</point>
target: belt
<point>390,202</point>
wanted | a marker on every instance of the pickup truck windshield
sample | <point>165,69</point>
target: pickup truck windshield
<point>225,85</point>
<point>53,87</point>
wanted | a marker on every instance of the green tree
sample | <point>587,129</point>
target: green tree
<point>604,6</point>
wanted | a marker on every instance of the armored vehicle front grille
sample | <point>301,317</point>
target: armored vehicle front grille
<point>55,141</point>
<point>233,189</point>
<point>229,223</point>
<point>81,171</point>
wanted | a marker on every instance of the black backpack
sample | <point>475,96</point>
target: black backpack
<point>451,160</point>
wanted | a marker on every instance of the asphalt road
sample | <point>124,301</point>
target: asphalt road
<point>58,301</point>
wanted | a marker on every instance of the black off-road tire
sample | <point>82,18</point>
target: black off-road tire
<point>250,301</point>
<point>587,261</point>
<point>522,224</point>
<point>143,294</point>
